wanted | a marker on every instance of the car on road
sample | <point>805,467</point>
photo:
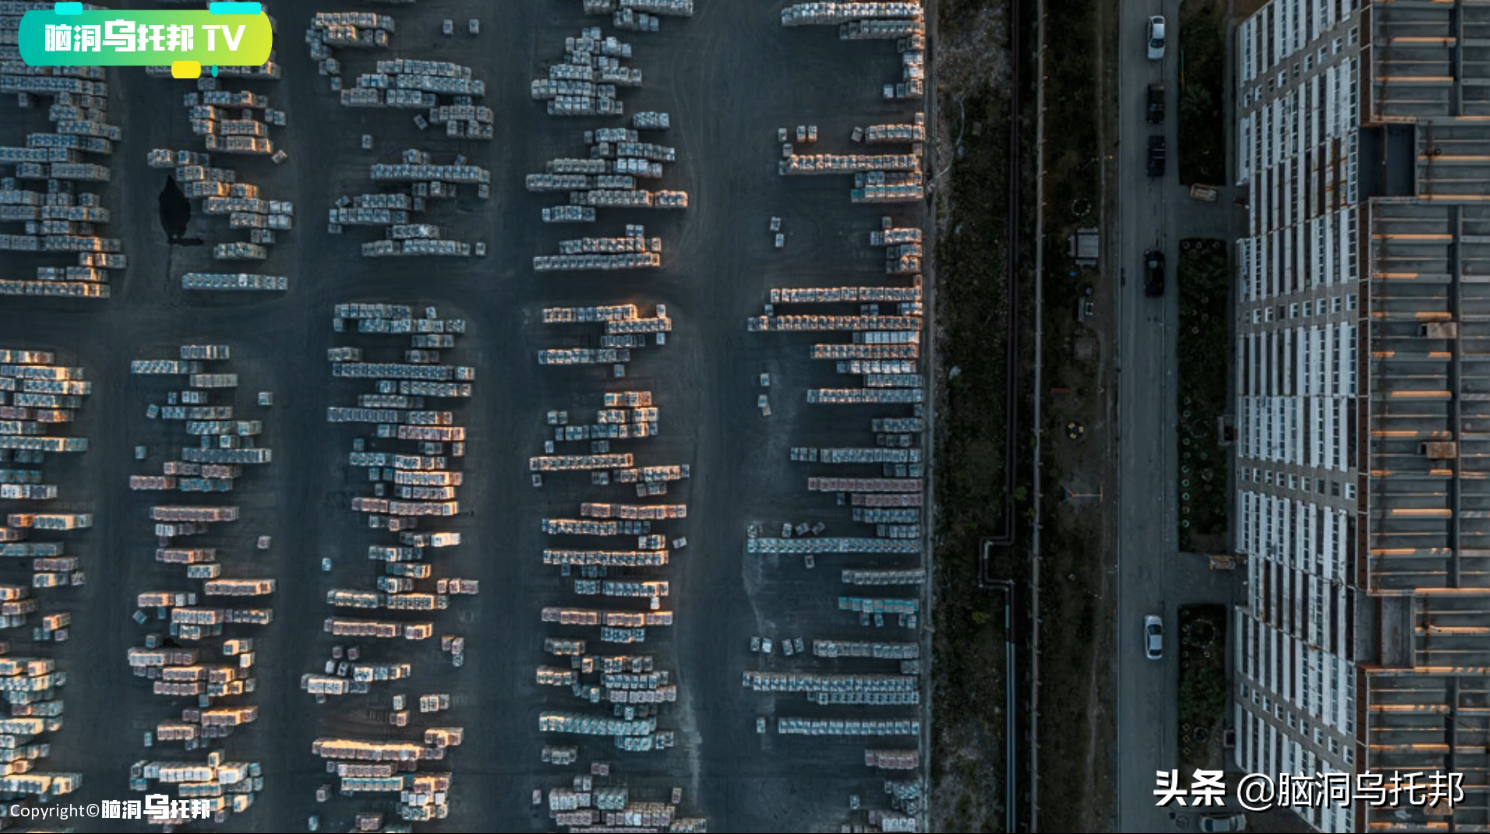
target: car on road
<point>1156,38</point>
<point>1153,271</point>
<point>1153,644</point>
<point>1156,104</point>
<point>1156,156</point>
<point>1220,823</point>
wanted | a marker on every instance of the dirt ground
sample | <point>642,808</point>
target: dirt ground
<point>968,745</point>
<point>1077,720</point>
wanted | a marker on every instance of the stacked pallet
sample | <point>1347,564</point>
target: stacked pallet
<point>391,767</point>
<point>49,200</point>
<point>205,655</point>
<point>221,194</point>
<point>395,211</point>
<point>623,328</point>
<point>211,788</point>
<point>37,399</point>
<point>585,80</point>
<point>587,805</point>
<point>446,91</point>
<point>608,179</point>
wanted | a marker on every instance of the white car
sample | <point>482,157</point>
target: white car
<point>1156,38</point>
<point>1223,823</point>
<point>1153,637</point>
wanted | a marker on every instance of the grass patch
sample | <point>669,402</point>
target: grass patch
<point>1202,344</point>
<point>1202,689</point>
<point>1202,123</point>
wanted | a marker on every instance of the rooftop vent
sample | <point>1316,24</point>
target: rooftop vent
<point>1439,450</point>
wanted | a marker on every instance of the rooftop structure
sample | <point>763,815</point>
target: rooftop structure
<point>1364,398</point>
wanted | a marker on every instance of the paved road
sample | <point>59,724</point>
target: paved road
<point>1153,576</point>
<point>1146,541</point>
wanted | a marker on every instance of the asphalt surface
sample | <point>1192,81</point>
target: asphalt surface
<point>1154,578</point>
<point>729,77</point>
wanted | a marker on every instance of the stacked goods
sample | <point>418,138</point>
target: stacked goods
<point>879,651</point>
<point>226,120</point>
<point>634,511</point>
<point>906,134</point>
<point>832,727</point>
<point>806,323</point>
<point>230,122</point>
<point>814,682</point>
<point>218,681</point>
<point>625,18</point>
<point>816,455</point>
<point>359,766</point>
<point>412,453</point>
<point>863,577</point>
<point>625,328</point>
<point>234,281</point>
<point>29,687</point>
<point>651,120</point>
<point>212,788</point>
<point>892,759</point>
<point>814,546</point>
<point>608,178</point>
<point>584,82</point>
<point>884,324</point>
<point>587,806</point>
<point>633,250</point>
<point>37,399</point>
<point>828,163</point>
<point>803,14</point>
<point>889,236</point>
<point>394,211</point>
<point>569,214</point>
<point>863,396</point>
<point>636,690</point>
<point>48,187</point>
<point>826,295</point>
<point>446,90</point>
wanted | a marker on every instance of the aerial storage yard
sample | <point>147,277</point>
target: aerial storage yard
<point>572,475</point>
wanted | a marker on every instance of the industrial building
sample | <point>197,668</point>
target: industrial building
<point>1362,368</point>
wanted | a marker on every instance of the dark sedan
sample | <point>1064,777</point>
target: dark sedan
<point>1153,265</point>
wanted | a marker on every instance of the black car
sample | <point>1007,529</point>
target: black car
<point>1153,270</point>
<point>1156,156</point>
<point>1156,103</point>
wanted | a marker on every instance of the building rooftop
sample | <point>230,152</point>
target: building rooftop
<point>1427,695</point>
<point>1429,386</point>
<point>1427,59</point>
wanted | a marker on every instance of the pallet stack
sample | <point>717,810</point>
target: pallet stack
<point>391,767</point>
<point>624,330</point>
<point>38,397</point>
<point>631,540</point>
<point>449,93</point>
<point>394,211</point>
<point>214,787</point>
<point>588,803</point>
<point>609,177</point>
<point>206,654</point>
<point>585,81</point>
<point>412,455</point>
<point>49,188</point>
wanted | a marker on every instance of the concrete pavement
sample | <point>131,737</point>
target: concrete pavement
<point>720,265</point>
<point>1153,577</point>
